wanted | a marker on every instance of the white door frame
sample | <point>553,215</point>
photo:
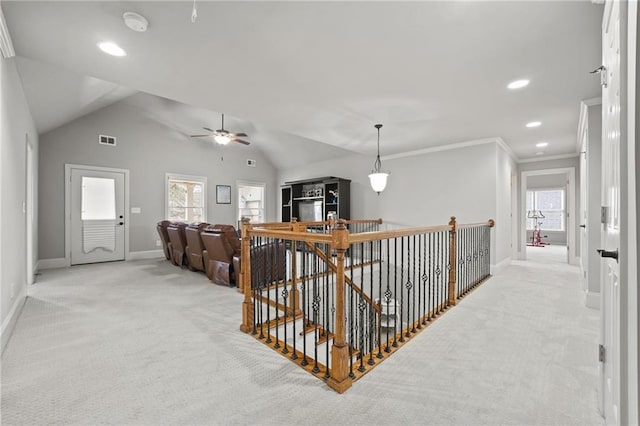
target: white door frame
<point>67,206</point>
<point>515,247</point>
<point>29,208</point>
<point>570,204</point>
<point>629,261</point>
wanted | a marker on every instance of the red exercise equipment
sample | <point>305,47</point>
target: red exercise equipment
<point>536,238</point>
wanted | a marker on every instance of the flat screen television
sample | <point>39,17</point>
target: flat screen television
<point>310,211</point>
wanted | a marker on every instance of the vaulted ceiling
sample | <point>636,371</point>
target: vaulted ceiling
<point>433,73</point>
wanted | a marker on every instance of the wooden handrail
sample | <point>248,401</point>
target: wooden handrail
<point>490,223</point>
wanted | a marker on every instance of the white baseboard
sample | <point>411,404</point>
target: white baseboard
<point>592,300</point>
<point>10,321</point>
<point>60,262</point>
<point>147,254</point>
<point>499,267</point>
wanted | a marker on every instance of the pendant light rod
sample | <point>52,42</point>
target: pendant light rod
<point>378,163</point>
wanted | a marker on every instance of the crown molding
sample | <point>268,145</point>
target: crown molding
<point>502,144</point>
<point>6,46</point>
<point>551,157</point>
<point>440,148</point>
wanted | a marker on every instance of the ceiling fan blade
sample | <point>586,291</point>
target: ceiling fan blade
<point>200,136</point>
<point>238,135</point>
<point>208,129</point>
<point>241,141</point>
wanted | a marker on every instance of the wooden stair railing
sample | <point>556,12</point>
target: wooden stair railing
<point>427,271</point>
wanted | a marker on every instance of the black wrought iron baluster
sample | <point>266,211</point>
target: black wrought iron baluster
<point>419,280</point>
<point>378,330</point>
<point>387,295</point>
<point>409,286</point>
<point>362,325</point>
<point>425,279</point>
<point>274,280</point>
<point>371,330</point>
<point>430,278</point>
<point>304,300</point>
<point>487,250</point>
<point>351,312</point>
<point>413,285</point>
<point>254,291</point>
<point>326,304</point>
<point>285,298</point>
<point>361,308</point>
<point>316,308</point>
<point>260,278</point>
<point>395,292</point>
<point>401,339</point>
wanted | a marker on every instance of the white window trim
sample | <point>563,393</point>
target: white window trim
<point>250,183</point>
<point>188,178</point>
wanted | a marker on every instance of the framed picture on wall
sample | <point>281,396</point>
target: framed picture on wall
<point>223,194</point>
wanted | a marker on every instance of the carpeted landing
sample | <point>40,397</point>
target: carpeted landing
<point>145,342</point>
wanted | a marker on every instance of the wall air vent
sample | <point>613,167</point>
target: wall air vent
<point>251,163</point>
<point>107,140</point>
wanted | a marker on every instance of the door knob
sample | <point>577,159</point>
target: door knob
<point>121,223</point>
<point>606,253</point>
<point>583,226</point>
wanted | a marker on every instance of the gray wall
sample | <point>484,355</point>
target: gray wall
<point>16,123</point>
<point>364,202</point>
<point>148,150</point>
<point>426,189</point>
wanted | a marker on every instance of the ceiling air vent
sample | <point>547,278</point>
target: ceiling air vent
<point>251,163</point>
<point>107,140</point>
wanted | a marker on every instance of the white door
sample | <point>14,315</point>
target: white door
<point>610,277</point>
<point>97,215</point>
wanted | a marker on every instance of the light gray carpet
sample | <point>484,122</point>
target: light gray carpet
<point>147,343</point>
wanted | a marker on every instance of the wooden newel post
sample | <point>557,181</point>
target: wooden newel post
<point>452,261</point>
<point>340,380</point>
<point>245,277</point>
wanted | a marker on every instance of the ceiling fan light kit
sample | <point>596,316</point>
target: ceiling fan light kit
<point>378,177</point>
<point>222,136</point>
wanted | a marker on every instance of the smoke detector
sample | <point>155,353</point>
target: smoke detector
<point>135,21</point>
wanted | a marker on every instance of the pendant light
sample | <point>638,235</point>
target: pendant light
<point>378,177</point>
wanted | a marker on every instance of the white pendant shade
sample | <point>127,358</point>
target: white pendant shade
<point>378,181</point>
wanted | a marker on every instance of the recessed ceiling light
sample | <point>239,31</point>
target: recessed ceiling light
<point>518,84</point>
<point>542,144</point>
<point>539,153</point>
<point>111,48</point>
<point>534,124</point>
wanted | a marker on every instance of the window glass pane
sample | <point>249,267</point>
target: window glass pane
<point>549,200</point>
<point>186,201</point>
<point>552,221</point>
<point>251,202</point>
<point>98,198</point>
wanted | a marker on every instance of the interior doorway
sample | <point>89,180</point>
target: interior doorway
<point>547,215</point>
